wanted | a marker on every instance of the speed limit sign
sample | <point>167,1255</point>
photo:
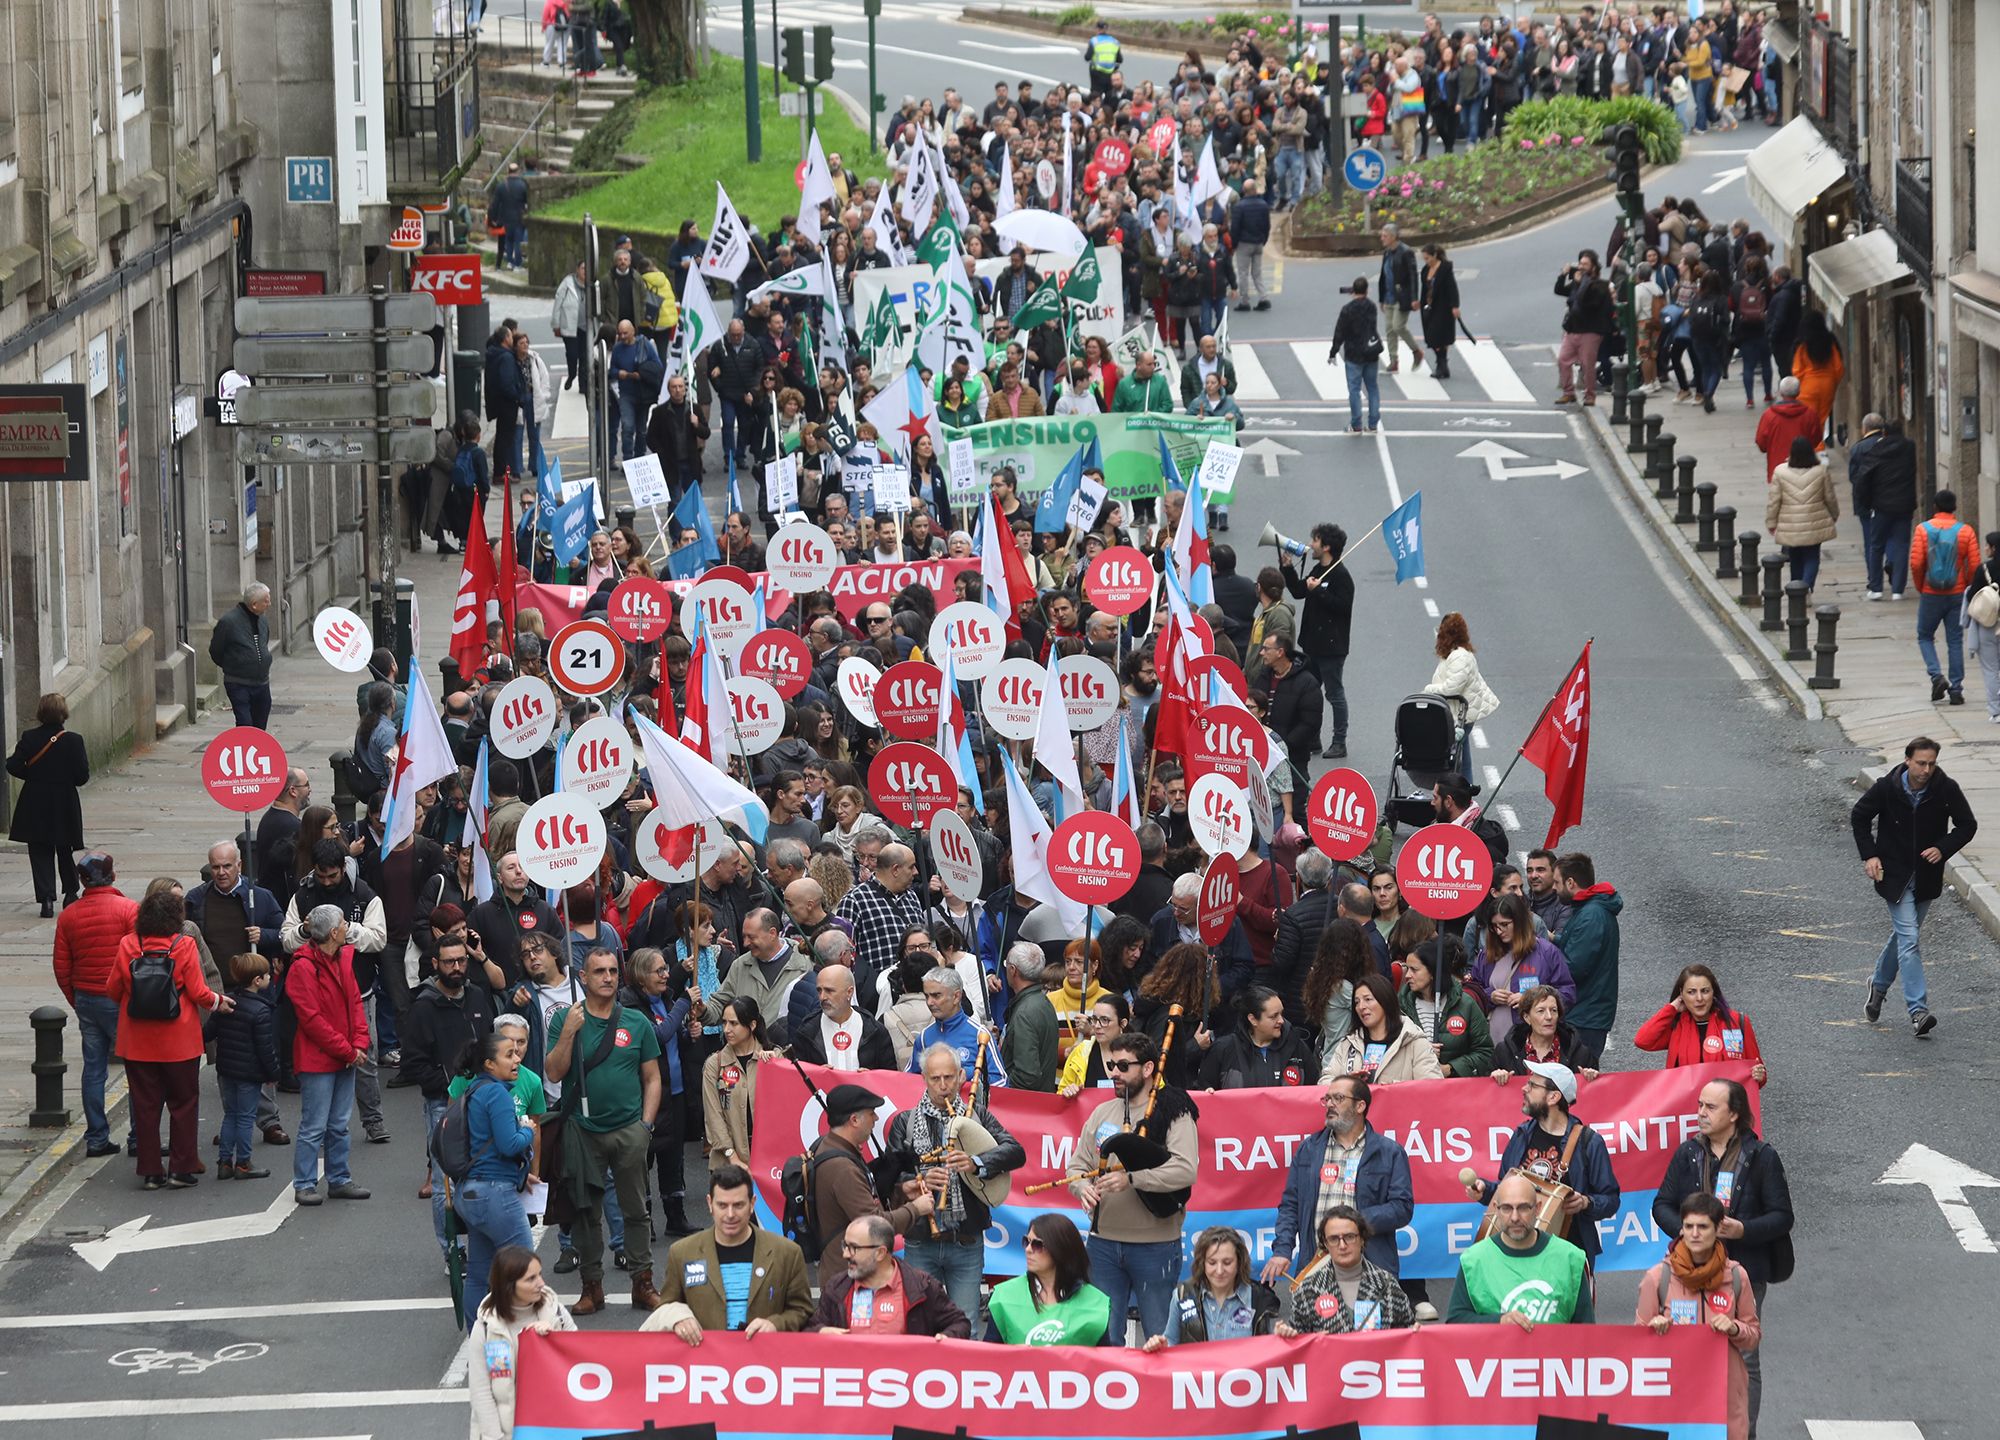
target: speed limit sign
<point>586,658</point>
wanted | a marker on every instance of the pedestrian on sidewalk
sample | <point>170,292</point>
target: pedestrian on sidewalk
<point>1982,616</point>
<point>1587,319</point>
<point>566,320</point>
<point>1783,423</point>
<point>1942,556</point>
<point>555,33</point>
<point>1819,365</point>
<point>1751,328</point>
<point>87,939</point>
<point>509,210</point>
<point>1906,827</point>
<point>1249,233</point>
<point>1882,469</point>
<point>52,764</point>
<point>240,646</point>
<point>1802,509</point>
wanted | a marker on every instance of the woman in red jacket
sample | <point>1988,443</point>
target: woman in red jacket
<point>159,1036</point>
<point>330,1040</point>
<point>1695,1026</point>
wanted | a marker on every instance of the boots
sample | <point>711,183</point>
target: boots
<point>591,1301</point>
<point>644,1296</point>
<point>673,1220</point>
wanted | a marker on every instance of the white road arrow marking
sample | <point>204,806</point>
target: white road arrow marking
<point>1724,177</point>
<point>1497,455</point>
<point>1267,452</point>
<point>1947,1180</point>
<point>133,1237</point>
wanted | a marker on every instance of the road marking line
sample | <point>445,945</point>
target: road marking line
<point>454,1373</point>
<point>220,1312</point>
<point>1422,582</point>
<point>1389,473</point>
<point>1018,49</point>
<point>1507,818</point>
<point>1009,71</point>
<point>1863,1430</point>
<point>1462,435</point>
<point>1430,607</point>
<point>1417,384</point>
<point>1494,372</point>
<point>227,1404</point>
<point>1329,381</point>
<point>1253,381</point>
<point>1492,774</point>
<point>1478,738</point>
<point>1394,406</point>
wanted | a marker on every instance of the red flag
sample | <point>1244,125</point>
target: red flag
<point>510,566</point>
<point>1560,748</point>
<point>476,591</point>
<point>694,715</point>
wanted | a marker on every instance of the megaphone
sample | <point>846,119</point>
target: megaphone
<point>1274,536</point>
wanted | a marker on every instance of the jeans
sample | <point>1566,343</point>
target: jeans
<point>959,1267</point>
<point>433,1111</point>
<point>1753,1363</point>
<point>494,1217</point>
<point>537,461</point>
<point>1212,312</point>
<point>1315,169</point>
<point>1468,122</point>
<point>1136,1275</point>
<point>1710,360</point>
<point>1804,563</point>
<point>97,1023</point>
<point>326,1103</point>
<point>1704,104</point>
<point>624,1153</point>
<point>1901,955</point>
<point>1756,353</point>
<point>1328,668</point>
<point>251,703</point>
<point>1359,377</point>
<point>510,243</point>
<point>628,424</point>
<point>1289,171</point>
<point>1888,541</point>
<point>1985,644</point>
<point>1930,610</point>
<point>239,1114</point>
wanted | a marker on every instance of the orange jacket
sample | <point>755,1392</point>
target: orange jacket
<point>87,937</point>
<point>1920,555</point>
<point>161,1041</point>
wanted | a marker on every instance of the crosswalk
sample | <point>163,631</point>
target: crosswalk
<point>847,12</point>
<point>1269,371</point>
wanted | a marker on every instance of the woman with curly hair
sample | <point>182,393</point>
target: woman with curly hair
<point>1184,976</point>
<point>1344,957</point>
<point>1458,680</point>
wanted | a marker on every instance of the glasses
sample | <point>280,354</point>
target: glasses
<point>1351,1237</point>
<point>847,1247</point>
<point>1099,1019</point>
<point>1119,1067</point>
<point>1033,1243</point>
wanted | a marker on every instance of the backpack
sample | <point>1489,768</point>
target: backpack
<point>795,1186</point>
<point>1752,304</point>
<point>450,1144</point>
<point>1941,559</point>
<point>1707,321</point>
<point>154,995</point>
<point>464,474</point>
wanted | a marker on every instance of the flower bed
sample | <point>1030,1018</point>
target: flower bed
<point>1217,27</point>
<point>1461,191</point>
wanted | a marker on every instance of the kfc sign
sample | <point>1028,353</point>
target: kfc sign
<point>448,279</point>
<point>1094,857</point>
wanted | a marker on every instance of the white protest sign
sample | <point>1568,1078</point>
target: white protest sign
<point>1219,465</point>
<point>343,638</point>
<point>781,483</point>
<point>560,841</point>
<point>1085,504</point>
<point>962,474</point>
<point>647,481</point>
<point>1045,179</point>
<point>892,489</point>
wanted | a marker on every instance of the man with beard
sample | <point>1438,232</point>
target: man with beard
<point>1554,1146</point>
<point>877,1294</point>
<point>1325,616</point>
<point>445,1016</point>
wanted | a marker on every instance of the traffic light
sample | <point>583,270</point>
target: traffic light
<point>1627,156</point>
<point>794,39</point>
<point>822,54</point>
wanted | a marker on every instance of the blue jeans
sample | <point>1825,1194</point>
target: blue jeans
<point>959,1267</point>
<point>1804,563</point>
<point>728,429</point>
<point>510,243</point>
<point>1468,122</point>
<point>251,703</point>
<point>491,1210</point>
<point>1289,170</point>
<point>239,1116</point>
<point>1212,312</point>
<point>1930,610</point>
<point>97,1026</point>
<point>1704,103</point>
<point>628,424</point>
<point>536,459</point>
<point>1901,955</point>
<point>326,1103</point>
<point>433,1111</point>
<point>1888,541</point>
<point>1710,360</point>
<point>1136,1275</point>
<point>1358,378</point>
<point>1756,353</point>
<point>382,1023</point>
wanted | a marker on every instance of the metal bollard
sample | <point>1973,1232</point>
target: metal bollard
<point>1825,649</point>
<point>344,798</point>
<point>1620,374</point>
<point>1774,592</point>
<point>1725,542</point>
<point>1659,458</point>
<point>1704,516</point>
<point>1635,420</point>
<point>48,1068</point>
<point>1795,620</point>
<point>1747,542</point>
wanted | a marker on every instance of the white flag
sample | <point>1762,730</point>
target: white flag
<point>1222,334</point>
<point>1003,204</point>
<point>949,326</point>
<point>1207,179</point>
<point>920,190</point>
<point>807,280</point>
<point>883,222</point>
<point>1055,748</point>
<point>815,189</point>
<point>1029,831</point>
<point>1068,160</point>
<point>954,199</point>
<point>700,327</point>
<point>833,325</point>
<point>728,241</point>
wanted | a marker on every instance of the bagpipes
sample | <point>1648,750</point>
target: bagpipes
<point>1131,1151</point>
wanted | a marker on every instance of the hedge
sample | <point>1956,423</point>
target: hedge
<point>1659,131</point>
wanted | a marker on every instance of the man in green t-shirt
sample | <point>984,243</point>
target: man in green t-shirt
<point>1519,1275</point>
<point>610,1107</point>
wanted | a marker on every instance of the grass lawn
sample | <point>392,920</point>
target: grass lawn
<point>693,136</point>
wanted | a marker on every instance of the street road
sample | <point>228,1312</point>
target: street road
<point>1717,813</point>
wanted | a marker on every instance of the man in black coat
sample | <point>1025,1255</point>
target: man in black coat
<point>838,1034</point>
<point>1154,887</point>
<point>446,1015</point>
<point>1299,927</point>
<point>1908,824</point>
<point>1882,468</point>
<point>505,397</point>
<point>1295,708</point>
<point>1781,317</point>
<point>240,646</point>
<point>1327,590</point>
<point>735,363</point>
<point>1237,595</point>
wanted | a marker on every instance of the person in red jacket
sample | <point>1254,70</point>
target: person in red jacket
<point>1695,1026</point>
<point>87,936</point>
<point>331,1038</point>
<point>163,1055</point>
<point>1784,422</point>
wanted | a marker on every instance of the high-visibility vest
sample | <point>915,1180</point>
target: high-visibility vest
<point>1104,54</point>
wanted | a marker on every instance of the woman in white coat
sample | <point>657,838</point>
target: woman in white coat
<point>1457,678</point>
<point>517,1299</point>
<point>540,413</point>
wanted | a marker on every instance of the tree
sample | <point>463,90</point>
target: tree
<point>664,31</point>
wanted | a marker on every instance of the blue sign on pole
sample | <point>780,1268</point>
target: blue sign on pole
<point>1366,170</point>
<point>309,179</point>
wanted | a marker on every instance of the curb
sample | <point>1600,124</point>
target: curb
<point>1717,596</point>
<point>59,1159</point>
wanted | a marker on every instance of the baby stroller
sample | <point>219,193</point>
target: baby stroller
<point>1427,750</point>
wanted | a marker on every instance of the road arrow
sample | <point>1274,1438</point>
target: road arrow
<point>1497,455</point>
<point>1267,451</point>
<point>1947,1180</point>
<point>1723,177</point>
<point>133,1237</point>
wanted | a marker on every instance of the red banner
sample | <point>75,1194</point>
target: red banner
<point>1435,1383</point>
<point>854,588</point>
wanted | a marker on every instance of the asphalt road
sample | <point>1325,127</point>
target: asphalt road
<point>1714,809</point>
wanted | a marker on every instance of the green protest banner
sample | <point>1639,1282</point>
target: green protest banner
<point>1038,448</point>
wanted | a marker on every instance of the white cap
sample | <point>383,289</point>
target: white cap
<point>1560,1076</point>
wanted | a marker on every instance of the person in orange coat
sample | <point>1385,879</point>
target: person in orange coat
<point>163,1056</point>
<point>1698,1284</point>
<point>1695,1026</point>
<point>1818,366</point>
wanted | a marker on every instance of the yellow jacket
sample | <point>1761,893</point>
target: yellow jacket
<point>670,311</point>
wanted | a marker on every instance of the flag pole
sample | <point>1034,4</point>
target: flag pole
<point>1355,544</point>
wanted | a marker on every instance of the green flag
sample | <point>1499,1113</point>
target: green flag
<point>1043,304</point>
<point>939,241</point>
<point>1084,278</point>
<point>882,331</point>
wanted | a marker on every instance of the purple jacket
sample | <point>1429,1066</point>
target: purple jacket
<point>1545,962</point>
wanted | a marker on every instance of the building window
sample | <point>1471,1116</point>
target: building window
<point>1920,77</point>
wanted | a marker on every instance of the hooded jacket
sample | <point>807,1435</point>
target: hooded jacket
<point>1590,943</point>
<point>495,1352</point>
<point>435,1031</point>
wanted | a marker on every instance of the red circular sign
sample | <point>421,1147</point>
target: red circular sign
<point>586,657</point>
<point>1215,906</point>
<point>640,609</point>
<point>736,574</point>
<point>1342,814</point>
<point>243,768</point>
<point>1224,669</point>
<point>907,699</point>
<point>779,658</point>
<point>1120,580</point>
<point>910,783</point>
<point>1093,857</point>
<point>1444,871</point>
<point>1227,740</point>
<point>1113,156</point>
<point>1455,1025</point>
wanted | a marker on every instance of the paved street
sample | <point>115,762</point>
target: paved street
<point>1717,812</point>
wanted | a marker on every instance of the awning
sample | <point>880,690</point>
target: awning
<point>1783,39</point>
<point>1852,268</point>
<point>1790,170</point>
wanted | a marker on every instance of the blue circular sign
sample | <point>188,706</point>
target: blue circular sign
<point>1366,170</point>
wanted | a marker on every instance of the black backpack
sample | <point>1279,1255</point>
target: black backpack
<point>154,995</point>
<point>795,1186</point>
<point>1707,320</point>
<point>451,1138</point>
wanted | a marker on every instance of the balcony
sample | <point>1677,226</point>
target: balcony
<point>1913,213</point>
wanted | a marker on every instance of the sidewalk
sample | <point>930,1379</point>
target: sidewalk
<point>1884,694</point>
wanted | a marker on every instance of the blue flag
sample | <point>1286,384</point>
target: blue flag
<point>548,493</point>
<point>1170,471</point>
<point>570,530</point>
<point>1052,513</point>
<point>735,495</point>
<point>1403,533</point>
<point>691,513</point>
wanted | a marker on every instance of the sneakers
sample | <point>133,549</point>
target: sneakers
<point>1897,596</point>
<point>1425,1313</point>
<point>1262,305</point>
<point>348,1191</point>
<point>1923,1022</point>
<point>567,1262</point>
<point>308,1196</point>
<point>243,1170</point>
<point>153,1182</point>
<point>1874,594</point>
<point>1873,1009</point>
<point>1937,688</point>
<point>378,1137</point>
<point>392,1059</point>
<point>182,1180</point>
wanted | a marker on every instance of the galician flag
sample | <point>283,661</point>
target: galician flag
<point>1031,834</point>
<point>1003,575</point>
<point>1126,802</point>
<point>474,839</point>
<point>1191,546</point>
<point>423,757</point>
<point>902,412</point>
<point>687,789</point>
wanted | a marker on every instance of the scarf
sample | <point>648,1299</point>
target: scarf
<point>951,1209</point>
<point>1699,1278</point>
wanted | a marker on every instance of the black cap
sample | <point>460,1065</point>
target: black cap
<point>95,868</point>
<point>844,1102</point>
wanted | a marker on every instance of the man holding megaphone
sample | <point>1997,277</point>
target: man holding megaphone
<point>1326,591</point>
